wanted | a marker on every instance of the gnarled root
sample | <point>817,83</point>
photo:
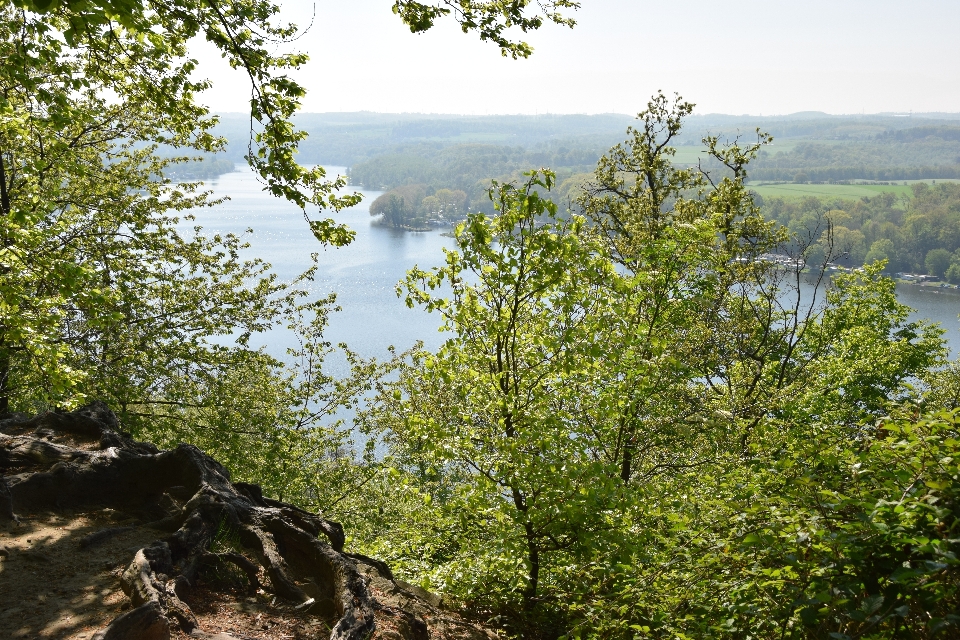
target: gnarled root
<point>118,472</point>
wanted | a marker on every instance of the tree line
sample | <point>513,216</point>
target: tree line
<point>912,154</point>
<point>199,168</point>
<point>916,234</point>
<point>924,152</point>
<point>469,167</point>
<point>416,206</point>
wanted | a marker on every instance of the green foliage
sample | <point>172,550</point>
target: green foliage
<point>101,294</point>
<point>912,154</point>
<point>938,261</point>
<point>269,422</point>
<point>880,251</point>
<point>903,231</point>
<point>637,427</point>
<point>445,205</point>
<point>459,152</point>
<point>860,354</point>
<point>470,167</point>
<point>489,18</point>
<point>530,491</point>
<point>98,285</point>
<point>105,293</point>
<point>400,207</point>
<point>841,535</point>
<point>136,57</point>
<point>126,41</point>
<point>104,296</point>
<point>200,169</point>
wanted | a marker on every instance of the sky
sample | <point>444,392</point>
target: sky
<point>757,57</point>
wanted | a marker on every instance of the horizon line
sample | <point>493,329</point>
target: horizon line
<point>808,113</point>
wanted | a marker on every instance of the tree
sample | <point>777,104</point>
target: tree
<point>880,250</point>
<point>111,300</point>
<point>490,18</point>
<point>595,434</point>
<point>136,53</point>
<point>938,261</point>
<point>914,224</point>
<point>817,537</point>
<point>392,208</point>
<point>519,329</point>
<point>87,90</point>
<point>953,271</point>
<point>446,204</point>
<point>691,247</point>
<point>399,207</point>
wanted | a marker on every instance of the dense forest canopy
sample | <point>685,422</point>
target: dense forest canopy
<point>910,154</point>
<point>416,206</point>
<point>839,149</point>
<point>387,150</point>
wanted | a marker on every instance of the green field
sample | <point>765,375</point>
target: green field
<point>688,154</point>
<point>851,191</point>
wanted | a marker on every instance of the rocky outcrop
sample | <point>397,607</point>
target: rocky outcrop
<point>80,462</point>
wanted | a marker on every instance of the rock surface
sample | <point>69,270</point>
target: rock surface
<point>107,538</point>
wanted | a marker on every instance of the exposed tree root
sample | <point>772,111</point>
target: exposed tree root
<point>99,466</point>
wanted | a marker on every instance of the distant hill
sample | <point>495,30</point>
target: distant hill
<point>344,139</point>
<point>347,138</point>
<point>452,151</point>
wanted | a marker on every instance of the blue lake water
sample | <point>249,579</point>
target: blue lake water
<point>365,273</point>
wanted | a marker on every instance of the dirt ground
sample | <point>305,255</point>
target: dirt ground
<point>51,587</point>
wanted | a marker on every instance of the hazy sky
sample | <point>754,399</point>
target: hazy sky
<point>736,56</point>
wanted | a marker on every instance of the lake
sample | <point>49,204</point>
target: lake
<point>365,273</point>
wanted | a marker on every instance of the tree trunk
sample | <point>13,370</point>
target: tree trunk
<point>4,352</point>
<point>533,557</point>
<point>4,376</point>
<point>626,466</point>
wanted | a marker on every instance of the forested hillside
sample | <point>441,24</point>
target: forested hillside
<point>387,150</point>
<point>925,152</point>
<point>208,168</point>
<point>910,154</point>
<point>345,139</point>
